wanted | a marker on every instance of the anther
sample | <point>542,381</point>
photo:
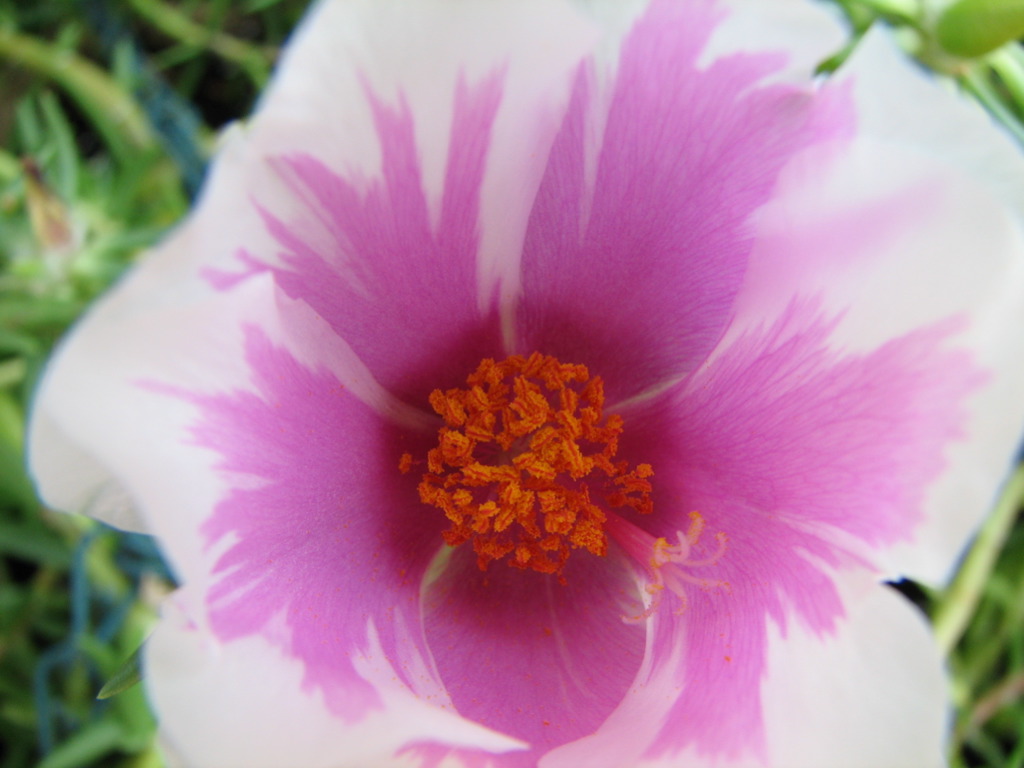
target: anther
<point>525,464</point>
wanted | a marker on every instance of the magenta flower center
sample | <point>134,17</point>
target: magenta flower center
<point>525,464</point>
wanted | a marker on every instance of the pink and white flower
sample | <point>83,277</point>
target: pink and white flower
<point>802,298</point>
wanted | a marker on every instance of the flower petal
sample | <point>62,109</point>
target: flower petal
<point>283,465</point>
<point>957,133</point>
<point>93,403</point>
<point>870,693</point>
<point>397,223</point>
<point>540,661</point>
<point>808,460</point>
<point>898,229</point>
<point>78,402</point>
<point>320,532</point>
<point>638,242</point>
<point>69,477</point>
<point>807,32</point>
<point>265,716</point>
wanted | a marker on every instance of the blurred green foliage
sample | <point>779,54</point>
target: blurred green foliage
<point>107,114</point>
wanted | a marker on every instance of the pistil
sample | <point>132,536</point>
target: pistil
<point>668,565</point>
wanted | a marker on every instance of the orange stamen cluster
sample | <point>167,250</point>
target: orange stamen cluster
<point>523,461</point>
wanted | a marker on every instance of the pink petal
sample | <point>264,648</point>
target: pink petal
<point>144,326</point>
<point>979,262</point>
<point>634,255</point>
<point>896,230</point>
<point>383,259</point>
<point>321,532</point>
<point>813,297</point>
<point>398,222</point>
<point>194,374</point>
<point>808,460</point>
<point>94,401</point>
<point>266,718</point>
<point>520,653</point>
<point>869,693</point>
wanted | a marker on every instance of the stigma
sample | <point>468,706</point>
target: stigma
<point>668,566</point>
<point>524,468</point>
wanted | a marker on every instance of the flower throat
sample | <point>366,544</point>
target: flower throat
<point>524,466</point>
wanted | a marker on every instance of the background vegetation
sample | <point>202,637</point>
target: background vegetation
<point>108,111</point>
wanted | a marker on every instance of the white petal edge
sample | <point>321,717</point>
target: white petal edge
<point>96,393</point>
<point>874,695</point>
<point>419,51</point>
<point>70,478</point>
<point>899,101</point>
<point>76,405</point>
<point>957,248</point>
<point>871,695</point>
<point>317,104</point>
<point>902,104</point>
<point>806,32</point>
<point>241,703</point>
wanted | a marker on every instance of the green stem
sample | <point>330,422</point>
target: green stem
<point>977,84</point>
<point>1008,63</point>
<point>115,114</point>
<point>957,605</point>
<point>906,10</point>
<point>254,61</point>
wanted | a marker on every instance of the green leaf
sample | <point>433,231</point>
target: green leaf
<point>15,485</point>
<point>973,28</point>
<point>60,133</point>
<point>127,676</point>
<point>87,746</point>
<point>31,540</point>
<point>35,313</point>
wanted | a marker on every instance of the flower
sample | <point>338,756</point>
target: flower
<point>538,384</point>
